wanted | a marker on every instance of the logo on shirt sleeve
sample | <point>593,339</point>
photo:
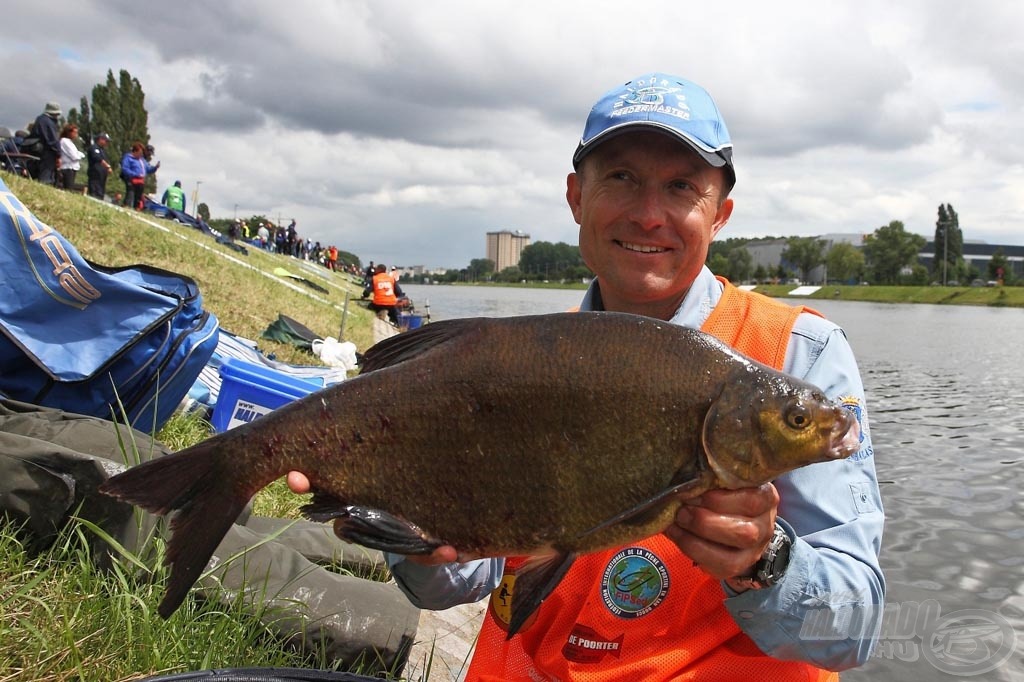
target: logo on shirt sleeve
<point>853,404</point>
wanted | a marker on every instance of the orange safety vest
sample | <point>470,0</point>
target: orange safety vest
<point>384,289</point>
<point>644,612</point>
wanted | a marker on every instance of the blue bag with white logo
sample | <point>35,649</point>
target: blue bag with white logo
<point>118,343</point>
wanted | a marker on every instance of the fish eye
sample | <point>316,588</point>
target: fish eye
<point>797,416</point>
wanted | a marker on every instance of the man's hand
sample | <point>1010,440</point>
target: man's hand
<point>726,531</point>
<point>299,484</point>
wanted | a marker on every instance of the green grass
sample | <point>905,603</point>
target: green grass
<point>62,618</point>
<point>939,295</point>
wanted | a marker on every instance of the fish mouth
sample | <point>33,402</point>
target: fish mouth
<point>641,248</point>
<point>845,435</point>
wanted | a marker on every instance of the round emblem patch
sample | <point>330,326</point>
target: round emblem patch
<point>635,582</point>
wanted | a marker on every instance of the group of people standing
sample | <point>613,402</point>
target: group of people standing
<point>60,159</point>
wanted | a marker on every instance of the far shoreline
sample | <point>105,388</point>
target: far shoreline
<point>994,296</point>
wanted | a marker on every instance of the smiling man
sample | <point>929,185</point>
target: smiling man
<point>757,583</point>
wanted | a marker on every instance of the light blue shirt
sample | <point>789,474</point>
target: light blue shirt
<point>828,606</point>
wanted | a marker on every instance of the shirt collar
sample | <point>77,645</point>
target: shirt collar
<point>697,305</point>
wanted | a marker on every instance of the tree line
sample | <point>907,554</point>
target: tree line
<point>889,255</point>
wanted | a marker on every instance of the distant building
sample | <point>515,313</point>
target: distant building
<point>504,248</point>
<point>978,254</point>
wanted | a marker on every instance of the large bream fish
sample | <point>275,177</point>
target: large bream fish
<point>548,435</point>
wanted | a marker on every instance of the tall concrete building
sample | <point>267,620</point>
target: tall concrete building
<point>504,248</point>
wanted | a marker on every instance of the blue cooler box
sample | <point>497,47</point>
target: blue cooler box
<point>249,391</point>
<point>409,321</point>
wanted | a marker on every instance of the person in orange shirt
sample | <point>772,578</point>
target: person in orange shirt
<point>385,293</point>
<point>752,584</point>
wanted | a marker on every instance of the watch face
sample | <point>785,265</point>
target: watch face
<point>781,559</point>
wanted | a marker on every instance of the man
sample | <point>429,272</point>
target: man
<point>174,197</point>
<point>99,166</point>
<point>756,584</point>
<point>45,128</point>
<point>386,292</point>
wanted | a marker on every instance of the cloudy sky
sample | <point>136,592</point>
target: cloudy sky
<point>404,131</point>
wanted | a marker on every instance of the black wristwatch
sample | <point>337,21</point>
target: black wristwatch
<point>771,566</point>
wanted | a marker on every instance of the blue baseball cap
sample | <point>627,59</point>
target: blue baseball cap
<point>665,103</point>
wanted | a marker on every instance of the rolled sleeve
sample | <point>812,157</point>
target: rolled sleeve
<point>442,587</point>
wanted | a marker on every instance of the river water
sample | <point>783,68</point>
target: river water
<point>945,392</point>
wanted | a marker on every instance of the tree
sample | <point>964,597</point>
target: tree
<point>845,262</point>
<point>805,253</point>
<point>544,260</point>
<point>719,264</point>
<point>999,268</point>
<point>117,109</point>
<point>949,245</point>
<point>890,249</point>
<point>480,268</point>
<point>740,265</point>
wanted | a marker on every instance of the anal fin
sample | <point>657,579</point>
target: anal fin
<point>534,582</point>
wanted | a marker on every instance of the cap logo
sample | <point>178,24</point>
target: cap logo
<point>652,96</point>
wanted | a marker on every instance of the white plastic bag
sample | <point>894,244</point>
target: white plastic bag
<point>336,353</point>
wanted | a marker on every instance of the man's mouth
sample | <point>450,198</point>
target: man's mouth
<point>642,248</point>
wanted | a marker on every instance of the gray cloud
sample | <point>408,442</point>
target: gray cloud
<point>405,131</point>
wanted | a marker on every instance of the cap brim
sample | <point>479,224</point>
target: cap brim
<point>716,159</point>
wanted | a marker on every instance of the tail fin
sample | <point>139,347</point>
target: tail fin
<point>206,497</point>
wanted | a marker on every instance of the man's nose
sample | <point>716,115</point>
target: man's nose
<point>649,208</point>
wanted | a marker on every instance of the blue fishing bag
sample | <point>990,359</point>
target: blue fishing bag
<point>117,343</point>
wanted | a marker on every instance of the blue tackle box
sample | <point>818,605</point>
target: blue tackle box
<point>249,391</point>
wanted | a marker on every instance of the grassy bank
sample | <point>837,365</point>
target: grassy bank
<point>60,617</point>
<point>1012,297</point>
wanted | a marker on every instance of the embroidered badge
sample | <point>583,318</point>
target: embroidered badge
<point>635,582</point>
<point>586,645</point>
<point>853,404</point>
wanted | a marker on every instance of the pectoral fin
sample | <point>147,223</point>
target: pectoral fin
<point>643,511</point>
<point>371,528</point>
<point>534,582</point>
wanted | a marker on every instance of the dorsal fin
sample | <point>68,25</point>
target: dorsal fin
<point>405,346</point>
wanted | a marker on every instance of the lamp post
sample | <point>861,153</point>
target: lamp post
<point>195,199</point>
<point>236,211</point>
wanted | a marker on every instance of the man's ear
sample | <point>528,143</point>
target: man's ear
<point>721,217</point>
<point>574,195</point>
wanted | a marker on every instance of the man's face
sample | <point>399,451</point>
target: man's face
<point>647,207</point>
